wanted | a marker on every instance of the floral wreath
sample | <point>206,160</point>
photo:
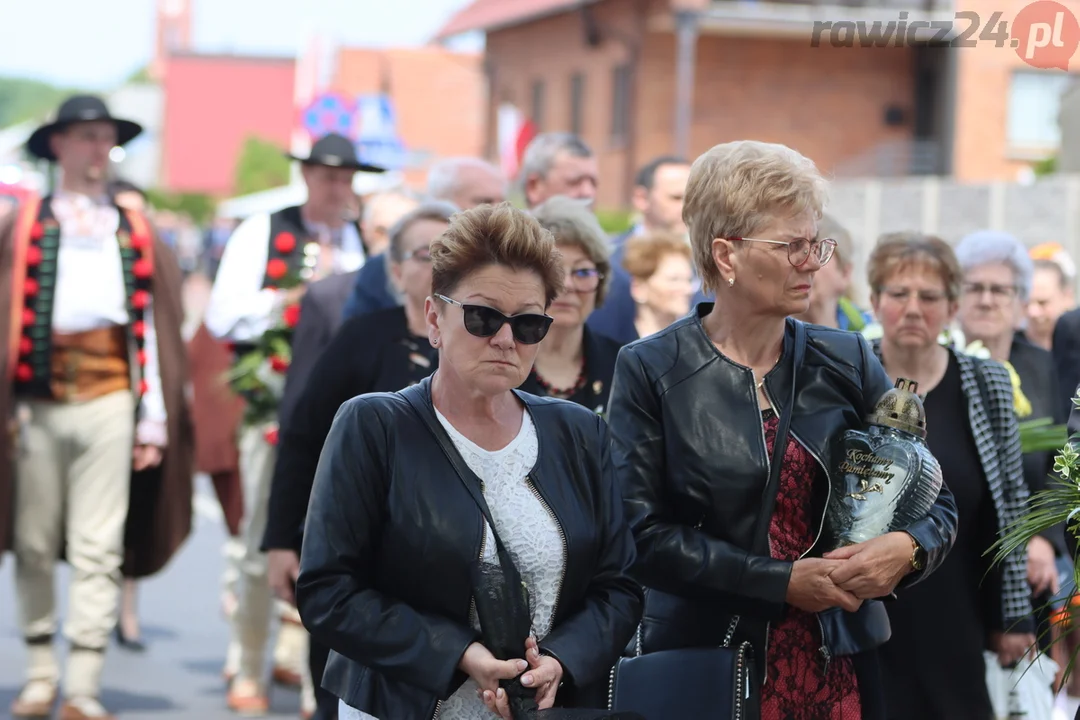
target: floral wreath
<point>258,375</point>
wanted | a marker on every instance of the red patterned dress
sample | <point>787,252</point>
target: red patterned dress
<point>798,687</point>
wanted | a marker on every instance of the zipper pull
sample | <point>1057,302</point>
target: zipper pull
<point>828,657</point>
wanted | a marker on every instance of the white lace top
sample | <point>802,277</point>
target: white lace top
<point>529,532</point>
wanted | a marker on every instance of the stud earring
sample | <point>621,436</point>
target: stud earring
<point>731,282</point>
<point>435,341</point>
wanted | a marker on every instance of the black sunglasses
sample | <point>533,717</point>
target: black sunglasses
<point>482,321</point>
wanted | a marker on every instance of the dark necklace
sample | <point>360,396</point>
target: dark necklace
<point>559,392</point>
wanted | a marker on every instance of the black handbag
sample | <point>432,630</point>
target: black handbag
<point>707,683</point>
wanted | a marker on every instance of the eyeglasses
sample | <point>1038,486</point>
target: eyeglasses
<point>421,254</point>
<point>585,279</point>
<point>799,250</point>
<point>925,297</point>
<point>483,321</point>
<point>998,292</point>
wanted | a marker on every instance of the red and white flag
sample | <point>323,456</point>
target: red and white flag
<point>515,132</point>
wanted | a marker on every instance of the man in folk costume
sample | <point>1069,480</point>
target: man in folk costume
<point>99,439</point>
<point>264,271</point>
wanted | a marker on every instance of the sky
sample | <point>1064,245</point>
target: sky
<point>98,43</point>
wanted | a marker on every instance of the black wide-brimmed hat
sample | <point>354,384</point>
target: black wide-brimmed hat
<point>335,150</point>
<point>80,108</point>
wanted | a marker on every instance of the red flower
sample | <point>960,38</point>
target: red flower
<point>37,232</point>
<point>33,255</point>
<point>140,241</point>
<point>279,364</point>
<point>24,373</point>
<point>144,387</point>
<point>285,243</point>
<point>26,345</point>
<point>140,357</point>
<point>276,268</point>
<point>140,299</point>
<point>143,269</point>
<point>28,317</point>
<point>31,287</point>
<point>138,328</point>
<point>291,315</point>
<point>271,436</point>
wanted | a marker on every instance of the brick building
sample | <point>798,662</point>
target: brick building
<point>639,78</point>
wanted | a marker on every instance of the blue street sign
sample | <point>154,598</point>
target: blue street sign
<point>377,139</point>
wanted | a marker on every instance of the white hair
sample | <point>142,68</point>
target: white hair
<point>991,246</point>
<point>444,177</point>
<point>371,204</point>
<point>540,154</point>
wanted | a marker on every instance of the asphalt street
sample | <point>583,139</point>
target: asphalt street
<point>179,675</point>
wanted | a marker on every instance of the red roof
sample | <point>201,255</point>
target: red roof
<point>212,104</point>
<point>492,14</point>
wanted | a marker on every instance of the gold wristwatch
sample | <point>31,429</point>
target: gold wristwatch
<point>918,555</point>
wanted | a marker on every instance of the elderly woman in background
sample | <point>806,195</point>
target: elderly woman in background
<point>997,281</point>
<point>662,279</point>
<point>830,305</point>
<point>933,665</point>
<point>575,363</point>
<point>727,538</point>
<point>396,523</point>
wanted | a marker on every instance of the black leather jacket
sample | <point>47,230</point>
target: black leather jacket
<point>691,455</point>
<point>392,531</point>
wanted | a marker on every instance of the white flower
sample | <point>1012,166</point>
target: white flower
<point>273,380</point>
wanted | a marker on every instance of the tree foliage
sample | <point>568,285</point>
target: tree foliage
<point>22,99</point>
<point>262,166</point>
<point>200,208</point>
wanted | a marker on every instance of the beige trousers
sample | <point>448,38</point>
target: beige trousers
<point>73,475</point>
<point>251,621</point>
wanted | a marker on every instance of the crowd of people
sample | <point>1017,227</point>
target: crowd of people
<point>638,429</point>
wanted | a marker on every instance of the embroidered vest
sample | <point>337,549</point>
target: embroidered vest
<point>292,255</point>
<point>34,293</point>
<point>293,251</point>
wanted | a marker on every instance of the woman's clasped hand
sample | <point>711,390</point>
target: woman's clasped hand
<point>544,674</point>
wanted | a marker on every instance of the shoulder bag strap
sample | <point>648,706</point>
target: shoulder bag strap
<point>761,535</point>
<point>769,502</point>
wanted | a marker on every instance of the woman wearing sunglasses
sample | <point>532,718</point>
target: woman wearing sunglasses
<point>726,517</point>
<point>407,482</point>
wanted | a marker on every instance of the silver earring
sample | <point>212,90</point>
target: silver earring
<point>435,341</point>
<point>731,281</point>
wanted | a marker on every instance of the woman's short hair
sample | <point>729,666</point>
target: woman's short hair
<point>495,235</point>
<point>991,246</point>
<point>435,210</point>
<point>573,224</point>
<point>896,252</point>
<point>644,253</point>
<point>737,188</point>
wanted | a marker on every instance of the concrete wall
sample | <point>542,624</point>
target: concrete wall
<point>1048,210</point>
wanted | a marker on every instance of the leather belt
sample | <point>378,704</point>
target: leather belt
<point>90,364</point>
